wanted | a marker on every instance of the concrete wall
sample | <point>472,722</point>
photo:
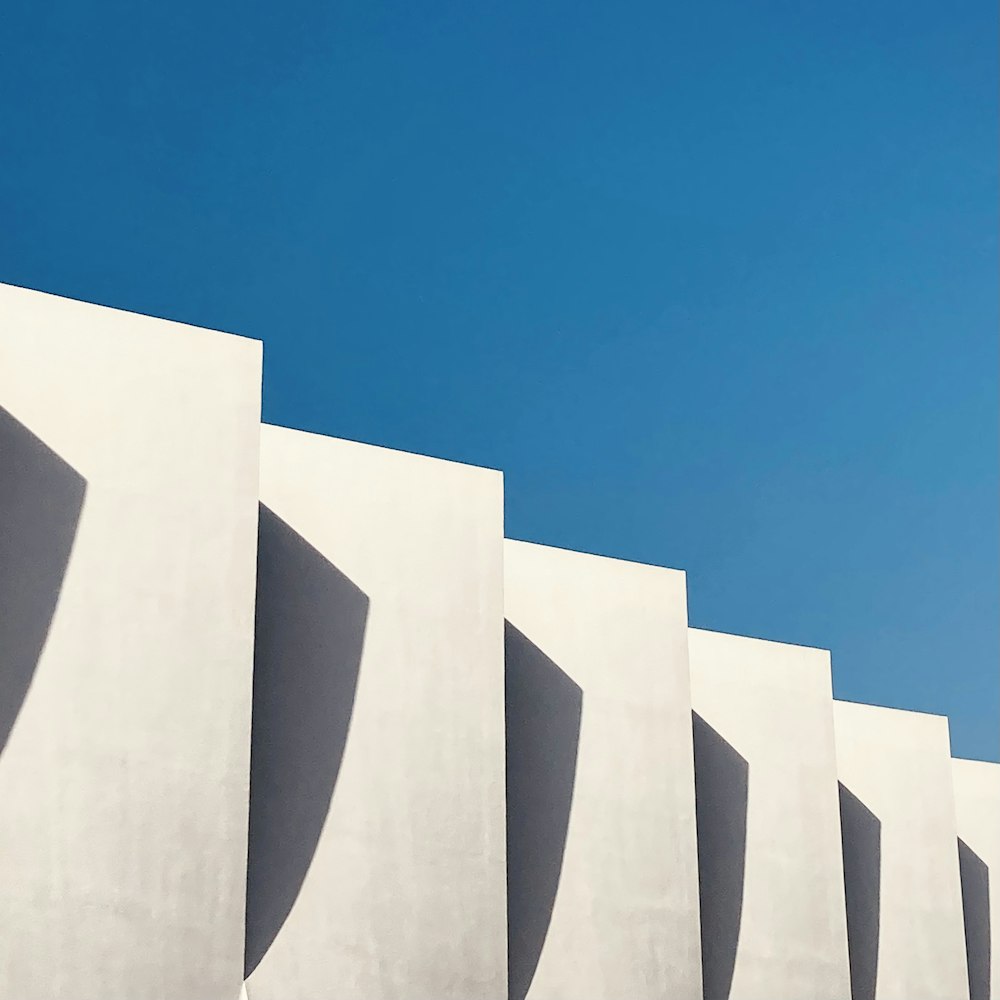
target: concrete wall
<point>602,873</point>
<point>377,812</point>
<point>901,871</point>
<point>128,512</point>
<point>405,736</point>
<point>772,889</point>
<point>977,811</point>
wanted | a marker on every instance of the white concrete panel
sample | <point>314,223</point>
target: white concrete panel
<point>377,780</point>
<point>904,904</point>
<point>128,513</point>
<point>772,884</point>
<point>602,864</point>
<point>977,811</point>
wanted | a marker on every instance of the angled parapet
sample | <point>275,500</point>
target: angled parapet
<point>901,873</point>
<point>376,865</point>
<point>977,812</point>
<point>601,849</point>
<point>128,517</point>
<point>772,890</point>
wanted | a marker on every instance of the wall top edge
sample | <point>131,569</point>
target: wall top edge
<point>760,640</point>
<point>974,763</point>
<point>929,717</point>
<point>570,553</point>
<point>53,299</point>
<point>317,436</point>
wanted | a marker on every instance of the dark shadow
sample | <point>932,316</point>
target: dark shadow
<point>721,781</point>
<point>543,710</point>
<point>40,502</point>
<point>309,635</point>
<point>976,907</point>
<point>861,837</point>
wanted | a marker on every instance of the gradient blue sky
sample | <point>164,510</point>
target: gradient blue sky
<point>714,283</point>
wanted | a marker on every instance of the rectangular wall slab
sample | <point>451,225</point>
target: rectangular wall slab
<point>377,781</point>
<point>601,849</point>
<point>977,811</point>
<point>901,871</point>
<point>128,518</point>
<point>772,886</point>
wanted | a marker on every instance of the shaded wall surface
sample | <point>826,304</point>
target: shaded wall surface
<point>977,812</point>
<point>376,864</point>
<point>128,510</point>
<point>602,870</point>
<point>901,862</point>
<point>772,889</point>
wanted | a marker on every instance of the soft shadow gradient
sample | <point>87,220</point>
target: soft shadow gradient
<point>975,875</point>
<point>861,837</point>
<point>309,636</point>
<point>721,778</point>
<point>41,497</point>
<point>543,710</point>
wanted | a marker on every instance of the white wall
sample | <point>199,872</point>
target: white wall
<point>977,810</point>
<point>377,789</point>
<point>768,827</point>
<point>602,871</point>
<point>904,905</point>
<point>128,511</point>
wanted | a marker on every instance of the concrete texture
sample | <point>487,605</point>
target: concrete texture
<point>772,889</point>
<point>128,513</point>
<point>901,869</point>
<point>602,871</point>
<point>977,812</point>
<point>377,791</point>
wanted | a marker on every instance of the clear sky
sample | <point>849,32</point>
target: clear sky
<point>713,283</point>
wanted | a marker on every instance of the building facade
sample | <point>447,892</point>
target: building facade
<point>285,717</point>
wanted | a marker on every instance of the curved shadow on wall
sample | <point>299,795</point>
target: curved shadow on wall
<point>975,875</point>
<point>721,778</point>
<point>543,710</point>
<point>309,636</point>
<point>41,497</point>
<point>861,837</point>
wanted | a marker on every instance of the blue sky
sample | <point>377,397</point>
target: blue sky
<point>713,283</point>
